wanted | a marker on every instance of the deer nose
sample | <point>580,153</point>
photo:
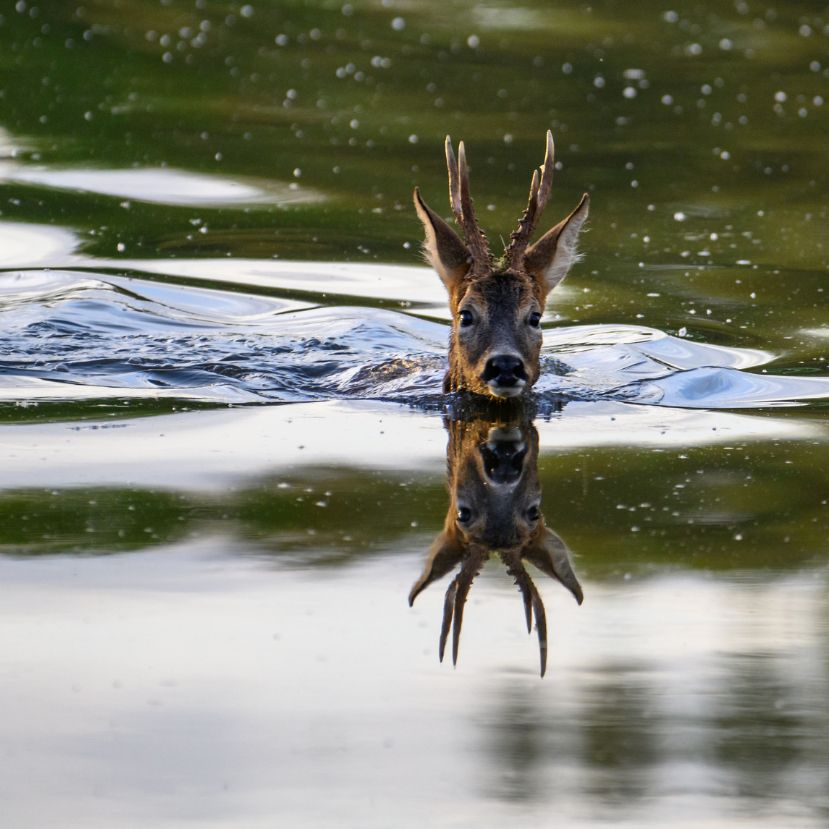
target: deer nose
<point>505,371</point>
<point>504,462</point>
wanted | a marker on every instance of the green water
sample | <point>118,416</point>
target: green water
<point>204,613</point>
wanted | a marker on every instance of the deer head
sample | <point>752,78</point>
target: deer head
<point>496,307</point>
<point>494,505</point>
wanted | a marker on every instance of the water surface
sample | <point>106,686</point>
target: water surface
<point>224,449</point>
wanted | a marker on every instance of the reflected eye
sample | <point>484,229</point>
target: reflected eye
<point>533,513</point>
<point>534,319</point>
<point>466,318</point>
<point>464,515</point>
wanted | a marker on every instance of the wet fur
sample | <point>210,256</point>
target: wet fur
<point>503,301</point>
<point>503,298</point>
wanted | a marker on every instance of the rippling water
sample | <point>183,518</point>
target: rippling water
<point>74,334</point>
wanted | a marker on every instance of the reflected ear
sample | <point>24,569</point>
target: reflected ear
<point>549,259</point>
<point>552,556</point>
<point>442,248</point>
<point>443,556</point>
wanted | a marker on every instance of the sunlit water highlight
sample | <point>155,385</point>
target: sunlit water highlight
<point>158,186</point>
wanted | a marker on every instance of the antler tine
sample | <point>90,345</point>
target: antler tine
<point>460,200</point>
<point>454,182</point>
<point>521,235</point>
<point>466,576</point>
<point>532,600</point>
<point>453,605</point>
<point>466,198</point>
<point>540,626</point>
<point>528,610</point>
<point>448,612</point>
<point>516,569</point>
<point>547,173</point>
<point>540,189</point>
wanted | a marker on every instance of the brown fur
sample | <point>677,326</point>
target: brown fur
<point>501,303</point>
<point>503,299</point>
<point>494,505</point>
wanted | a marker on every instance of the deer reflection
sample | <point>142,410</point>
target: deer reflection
<point>494,506</point>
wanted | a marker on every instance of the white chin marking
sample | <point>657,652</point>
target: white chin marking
<point>506,391</point>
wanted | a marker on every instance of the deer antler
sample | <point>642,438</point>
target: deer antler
<point>454,601</point>
<point>532,604</point>
<point>462,208</point>
<point>540,189</point>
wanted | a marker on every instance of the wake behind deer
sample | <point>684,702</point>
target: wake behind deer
<point>495,343</point>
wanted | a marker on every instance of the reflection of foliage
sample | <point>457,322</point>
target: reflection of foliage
<point>331,517</point>
<point>320,519</point>
<point>755,725</point>
<point>760,749</point>
<point>711,510</point>
<point>710,507</point>
<point>89,521</point>
<point>55,411</point>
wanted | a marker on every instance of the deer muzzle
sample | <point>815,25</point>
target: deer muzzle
<point>505,375</point>
<point>503,457</point>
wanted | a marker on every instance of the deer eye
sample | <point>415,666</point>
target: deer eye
<point>534,319</point>
<point>466,317</point>
<point>533,513</point>
<point>464,515</point>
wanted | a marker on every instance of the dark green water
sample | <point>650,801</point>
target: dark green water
<point>222,451</point>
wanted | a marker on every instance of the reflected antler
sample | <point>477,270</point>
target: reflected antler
<point>532,604</point>
<point>454,601</point>
<point>540,189</point>
<point>494,507</point>
<point>460,200</point>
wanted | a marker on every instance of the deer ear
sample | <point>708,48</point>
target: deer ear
<point>552,556</point>
<point>443,555</point>
<point>549,259</point>
<point>442,248</point>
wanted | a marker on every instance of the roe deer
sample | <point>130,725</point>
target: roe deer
<point>496,307</point>
<point>494,505</point>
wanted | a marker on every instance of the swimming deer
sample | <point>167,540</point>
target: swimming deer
<point>494,505</point>
<point>496,307</point>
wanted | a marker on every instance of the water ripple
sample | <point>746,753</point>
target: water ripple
<point>70,335</point>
